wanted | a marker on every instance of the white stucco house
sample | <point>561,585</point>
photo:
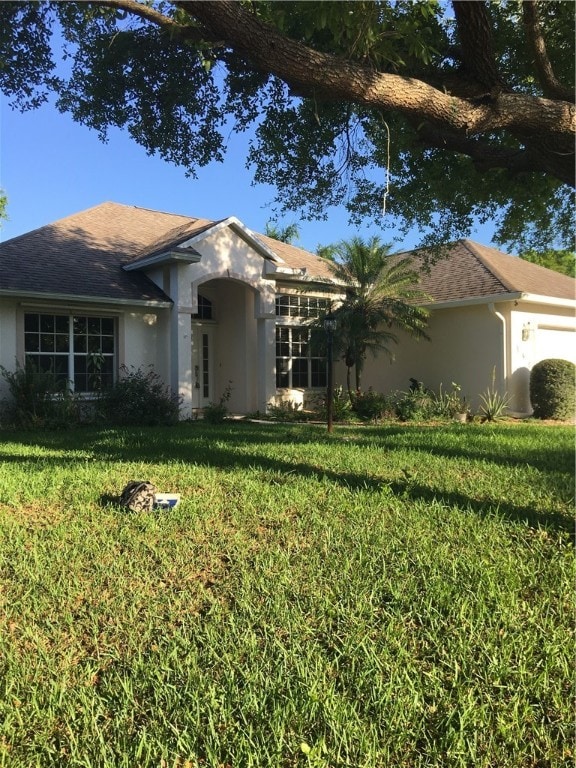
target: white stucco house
<point>211,305</point>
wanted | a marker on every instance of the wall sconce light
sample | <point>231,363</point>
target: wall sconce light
<point>527,332</point>
<point>150,319</point>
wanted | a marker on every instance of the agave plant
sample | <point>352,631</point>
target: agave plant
<point>492,402</point>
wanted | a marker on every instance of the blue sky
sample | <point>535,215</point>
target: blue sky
<point>51,167</point>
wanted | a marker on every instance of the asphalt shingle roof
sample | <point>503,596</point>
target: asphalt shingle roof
<point>83,255</point>
<point>468,270</point>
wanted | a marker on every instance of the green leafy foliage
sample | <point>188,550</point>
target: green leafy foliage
<point>286,410</point>
<point>3,206</point>
<point>552,389</point>
<point>372,406</point>
<point>560,261</point>
<point>36,401</point>
<point>180,77</point>
<point>450,402</point>
<point>342,409</point>
<point>216,412</point>
<point>382,295</point>
<point>139,397</point>
<point>415,405</point>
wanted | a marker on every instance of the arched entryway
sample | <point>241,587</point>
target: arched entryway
<point>227,346</point>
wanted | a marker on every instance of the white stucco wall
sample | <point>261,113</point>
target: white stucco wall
<point>465,345</point>
<point>143,340</point>
<point>468,343</point>
<point>8,348</point>
<point>537,332</point>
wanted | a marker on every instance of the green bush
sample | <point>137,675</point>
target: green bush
<point>371,406</point>
<point>139,398</point>
<point>36,401</point>
<point>216,413</point>
<point>341,406</point>
<point>552,390</point>
<point>450,402</point>
<point>415,405</point>
<point>286,410</point>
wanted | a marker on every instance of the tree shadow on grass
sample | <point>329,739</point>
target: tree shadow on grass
<point>473,442</point>
<point>517,514</point>
<point>216,448</point>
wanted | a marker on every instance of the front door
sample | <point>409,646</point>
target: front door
<point>202,365</point>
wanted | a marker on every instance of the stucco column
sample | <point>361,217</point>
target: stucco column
<point>266,361</point>
<point>181,339</point>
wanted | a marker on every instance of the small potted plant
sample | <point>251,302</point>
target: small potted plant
<point>456,404</point>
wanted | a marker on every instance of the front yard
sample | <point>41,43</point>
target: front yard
<point>398,595</point>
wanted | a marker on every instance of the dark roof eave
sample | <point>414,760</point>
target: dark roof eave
<point>474,300</point>
<point>176,255</point>
<point>44,296</point>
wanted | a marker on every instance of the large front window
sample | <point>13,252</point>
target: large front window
<point>78,351</point>
<point>295,365</point>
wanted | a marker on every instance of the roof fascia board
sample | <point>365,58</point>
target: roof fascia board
<point>246,234</point>
<point>18,295</point>
<point>160,259</point>
<point>475,300</point>
<point>534,298</point>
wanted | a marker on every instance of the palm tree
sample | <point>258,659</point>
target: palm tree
<point>288,234</point>
<point>381,296</point>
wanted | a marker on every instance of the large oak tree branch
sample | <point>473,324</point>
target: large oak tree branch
<point>329,77</point>
<point>299,65</point>
<point>550,84</point>
<point>484,155</point>
<point>476,42</point>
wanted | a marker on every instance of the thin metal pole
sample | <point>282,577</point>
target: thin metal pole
<point>330,387</point>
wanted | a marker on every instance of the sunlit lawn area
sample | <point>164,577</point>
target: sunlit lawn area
<point>385,596</point>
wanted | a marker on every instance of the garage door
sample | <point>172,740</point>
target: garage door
<point>555,343</point>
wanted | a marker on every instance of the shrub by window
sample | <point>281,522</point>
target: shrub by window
<point>552,389</point>
<point>139,397</point>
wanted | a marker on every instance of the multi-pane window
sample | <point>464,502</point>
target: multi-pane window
<point>204,309</point>
<point>295,365</point>
<point>289,305</point>
<point>79,351</point>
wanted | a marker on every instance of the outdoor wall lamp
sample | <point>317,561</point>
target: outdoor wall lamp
<point>527,332</point>
<point>329,327</point>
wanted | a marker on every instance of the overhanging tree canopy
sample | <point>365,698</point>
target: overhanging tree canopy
<point>445,112</point>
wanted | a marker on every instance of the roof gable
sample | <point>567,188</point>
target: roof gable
<point>467,270</point>
<point>101,254</point>
<point>82,255</point>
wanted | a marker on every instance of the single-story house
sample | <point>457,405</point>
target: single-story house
<point>212,306</point>
<point>492,318</point>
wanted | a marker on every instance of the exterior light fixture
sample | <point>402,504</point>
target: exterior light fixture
<point>527,332</point>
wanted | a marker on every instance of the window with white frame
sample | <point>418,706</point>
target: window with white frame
<point>296,365</point>
<point>79,351</point>
<point>205,311</point>
<point>296,305</point>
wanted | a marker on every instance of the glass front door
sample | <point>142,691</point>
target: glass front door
<point>202,366</point>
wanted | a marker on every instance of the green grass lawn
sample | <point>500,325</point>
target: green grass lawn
<point>385,596</point>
